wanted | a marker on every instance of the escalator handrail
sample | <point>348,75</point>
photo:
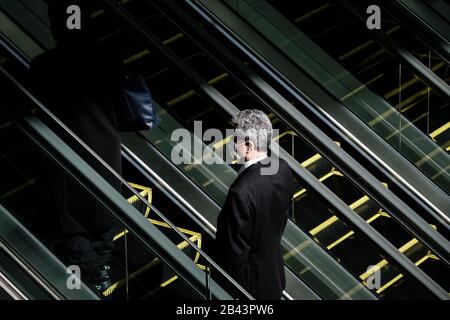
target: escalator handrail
<point>27,252</point>
<point>311,182</point>
<point>11,289</point>
<point>406,58</point>
<point>410,219</point>
<point>424,32</point>
<point>148,234</point>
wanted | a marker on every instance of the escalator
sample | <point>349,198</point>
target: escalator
<point>140,272</point>
<point>13,146</point>
<point>428,20</point>
<point>374,66</point>
<point>359,202</point>
<point>143,268</point>
<point>183,100</point>
<point>267,41</point>
<point>28,271</point>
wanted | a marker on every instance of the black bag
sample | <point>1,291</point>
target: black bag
<point>136,110</point>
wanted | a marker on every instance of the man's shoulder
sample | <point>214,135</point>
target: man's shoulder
<point>268,168</point>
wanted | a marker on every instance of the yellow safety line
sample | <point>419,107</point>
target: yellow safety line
<point>215,146</point>
<point>136,57</point>
<point>333,219</point>
<point>174,278</point>
<point>428,157</point>
<point>146,52</point>
<point>315,158</point>
<point>364,45</point>
<point>408,125</point>
<point>356,50</point>
<point>351,292</point>
<point>173,38</point>
<point>133,275</point>
<point>315,11</point>
<point>207,183</point>
<point>410,82</point>
<point>328,175</point>
<point>5,125</point>
<point>222,142</point>
<point>439,131</point>
<point>350,233</point>
<point>17,189</point>
<point>195,236</point>
<point>166,283</point>
<point>145,191</point>
<point>362,86</point>
<point>161,224</point>
<point>311,160</point>
<point>369,58</point>
<point>383,262</point>
<point>165,225</point>
<point>292,133</point>
<point>398,277</point>
<point>190,93</point>
<point>178,99</point>
<point>297,248</point>
<point>201,267</point>
<point>101,12</point>
<point>442,171</point>
<point>139,187</point>
<point>405,102</point>
<point>412,98</point>
<point>393,109</point>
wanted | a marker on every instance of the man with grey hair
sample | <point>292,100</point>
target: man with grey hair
<point>255,212</point>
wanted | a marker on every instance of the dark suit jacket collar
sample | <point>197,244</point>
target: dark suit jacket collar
<point>256,166</point>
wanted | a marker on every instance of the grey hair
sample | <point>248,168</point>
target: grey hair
<point>253,125</point>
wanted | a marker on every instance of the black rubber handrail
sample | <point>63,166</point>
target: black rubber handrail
<point>359,224</point>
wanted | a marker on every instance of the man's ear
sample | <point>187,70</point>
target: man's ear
<point>250,146</point>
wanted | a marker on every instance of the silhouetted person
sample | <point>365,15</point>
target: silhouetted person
<point>255,212</point>
<point>78,81</point>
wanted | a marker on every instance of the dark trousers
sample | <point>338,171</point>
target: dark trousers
<point>87,227</point>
